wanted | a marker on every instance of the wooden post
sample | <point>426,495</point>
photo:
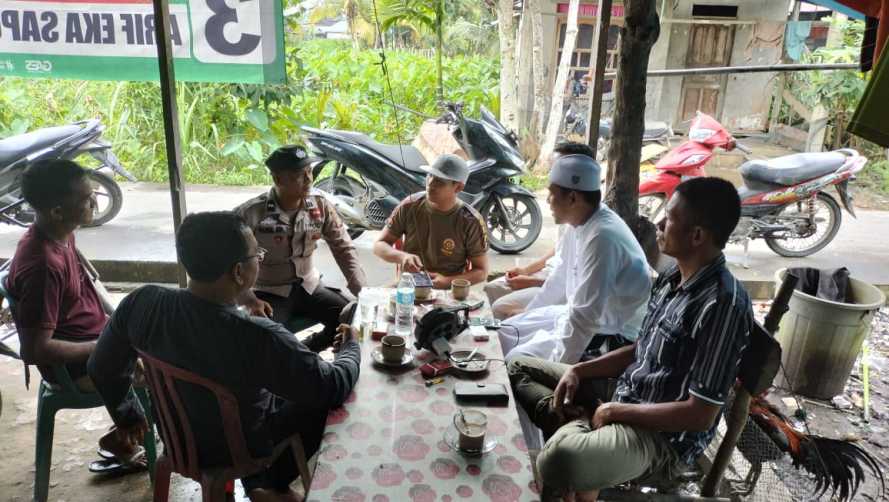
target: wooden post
<point>603,21</point>
<point>735,421</point>
<point>640,32</point>
<point>817,129</point>
<point>777,103</point>
<point>781,84</point>
<point>171,116</point>
<point>556,114</point>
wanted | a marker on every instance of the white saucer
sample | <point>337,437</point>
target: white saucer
<point>478,364</point>
<point>452,437</point>
<point>377,355</point>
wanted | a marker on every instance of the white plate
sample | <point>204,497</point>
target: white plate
<point>377,355</point>
<point>451,438</point>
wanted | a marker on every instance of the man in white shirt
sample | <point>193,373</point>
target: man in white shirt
<point>511,294</point>
<point>601,280</point>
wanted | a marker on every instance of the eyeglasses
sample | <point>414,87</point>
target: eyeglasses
<point>260,255</point>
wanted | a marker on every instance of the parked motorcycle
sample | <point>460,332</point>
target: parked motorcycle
<point>654,132</point>
<point>783,200</point>
<point>369,179</point>
<point>63,142</point>
<point>6,319</point>
<point>575,125</point>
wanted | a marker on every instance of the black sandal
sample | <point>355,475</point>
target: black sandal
<point>112,465</point>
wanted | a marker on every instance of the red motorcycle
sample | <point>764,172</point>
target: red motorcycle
<point>782,200</point>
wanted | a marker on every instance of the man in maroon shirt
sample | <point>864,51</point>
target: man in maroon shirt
<point>58,311</point>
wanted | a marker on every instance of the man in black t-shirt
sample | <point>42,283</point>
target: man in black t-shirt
<point>281,386</point>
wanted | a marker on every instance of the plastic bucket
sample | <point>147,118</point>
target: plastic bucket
<point>820,339</point>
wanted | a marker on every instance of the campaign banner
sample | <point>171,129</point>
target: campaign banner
<point>239,41</point>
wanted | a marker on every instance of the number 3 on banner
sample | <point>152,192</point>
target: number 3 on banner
<point>233,31</point>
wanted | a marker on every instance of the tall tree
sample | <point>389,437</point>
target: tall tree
<point>419,14</point>
<point>508,94</point>
<point>538,116</point>
<point>555,110</point>
<point>639,33</point>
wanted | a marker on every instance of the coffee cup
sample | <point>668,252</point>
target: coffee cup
<point>422,292</point>
<point>471,426</point>
<point>460,289</point>
<point>393,347</point>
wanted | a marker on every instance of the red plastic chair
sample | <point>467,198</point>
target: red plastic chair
<point>180,449</point>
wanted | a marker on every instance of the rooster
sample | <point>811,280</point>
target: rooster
<point>838,466</point>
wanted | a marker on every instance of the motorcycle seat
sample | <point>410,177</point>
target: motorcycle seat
<point>16,147</point>
<point>790,169</point>
<point>745,192</point>
<point>413,159</point>
<point>653,129</point>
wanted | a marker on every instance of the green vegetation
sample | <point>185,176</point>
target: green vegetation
<point>875,176</point>
<point>839,92</point>
<point>227,130</point>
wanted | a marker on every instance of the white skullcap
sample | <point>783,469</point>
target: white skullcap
<point>576,172</point>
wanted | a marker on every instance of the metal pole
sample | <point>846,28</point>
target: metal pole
<point>603,21</point>
<point>722,70</point>
<point>171,116</point>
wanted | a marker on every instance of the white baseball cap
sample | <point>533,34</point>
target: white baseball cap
<point>576,172</point>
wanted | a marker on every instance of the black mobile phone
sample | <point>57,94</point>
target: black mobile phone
<point>490,394</point>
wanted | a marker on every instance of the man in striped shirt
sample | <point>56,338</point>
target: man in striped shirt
<point>671,384</point>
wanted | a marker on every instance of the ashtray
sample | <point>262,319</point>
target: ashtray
<point>478,363</point>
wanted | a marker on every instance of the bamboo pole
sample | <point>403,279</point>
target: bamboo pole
<point>603,21</point>
<point>171,117</point>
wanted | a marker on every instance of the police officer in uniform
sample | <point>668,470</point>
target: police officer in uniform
<point>287,222</point>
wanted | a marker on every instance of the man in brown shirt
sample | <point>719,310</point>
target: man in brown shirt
<point>287,222</point>
<point>442,235</point>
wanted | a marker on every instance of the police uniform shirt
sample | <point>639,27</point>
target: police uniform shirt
<point>291,238</point>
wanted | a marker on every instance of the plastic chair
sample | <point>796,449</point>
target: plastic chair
<point>180,448</point>
<point>758,368</point>
<point>64,395</point>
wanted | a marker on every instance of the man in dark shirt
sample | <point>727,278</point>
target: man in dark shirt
<point>281,386</point>
<point>59,313</point>
<point>672,382</point>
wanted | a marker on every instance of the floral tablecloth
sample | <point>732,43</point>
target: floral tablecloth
<point>386,443</point>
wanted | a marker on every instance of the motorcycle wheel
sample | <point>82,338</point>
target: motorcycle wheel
<point>523,212</point>
<point>652,205</point>
<point>346,189</point>
<point>109,198</point>
<point>828,218</point>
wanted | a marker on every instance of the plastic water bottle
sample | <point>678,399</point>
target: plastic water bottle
<point>404,306</point>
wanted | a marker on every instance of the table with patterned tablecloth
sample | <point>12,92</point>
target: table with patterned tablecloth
<point>387,442</point>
